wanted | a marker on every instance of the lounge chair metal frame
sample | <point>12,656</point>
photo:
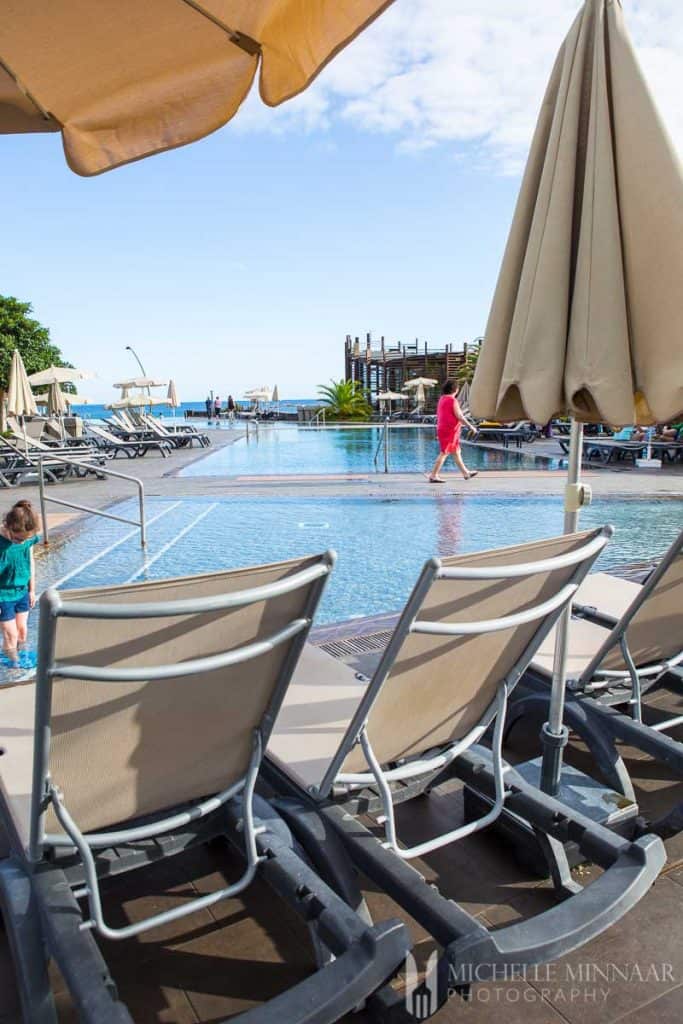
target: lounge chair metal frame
<point>595,695</point>
<point>39,887</point>
<point>470,951</point>
<point>112,445</point>
<point>545,613</point>
<point>52,608</point>
<point>178,438</point>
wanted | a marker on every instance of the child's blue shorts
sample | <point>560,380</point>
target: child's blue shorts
<point>10,609</point>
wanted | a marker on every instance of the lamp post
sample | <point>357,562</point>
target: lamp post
<point>129,348</point>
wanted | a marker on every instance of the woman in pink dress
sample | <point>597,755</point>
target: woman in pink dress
<point>449,421</point>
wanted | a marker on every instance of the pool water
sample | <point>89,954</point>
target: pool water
<point>381,543</point>
<point>285,450</point>
<point>25,660</point>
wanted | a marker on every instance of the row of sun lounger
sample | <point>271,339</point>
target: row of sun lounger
<point>22,453</point>
<point>168,713</point>
<point>609,451</point>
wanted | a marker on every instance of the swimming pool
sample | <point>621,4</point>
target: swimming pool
<point>286,450</point>
<point>381,543</point>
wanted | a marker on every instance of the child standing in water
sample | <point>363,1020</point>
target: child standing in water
<point>18,535</point>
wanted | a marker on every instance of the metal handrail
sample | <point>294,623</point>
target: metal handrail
<point>44,498</point>
<point>252,425</point>
<point>383,440</point>
<point>315,422</point>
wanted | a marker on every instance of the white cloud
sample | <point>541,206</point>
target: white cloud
<point>457,72</point>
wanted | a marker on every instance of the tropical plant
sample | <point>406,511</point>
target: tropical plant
<point>465,373</point>
<point>19,330</point>
<point>345,400</point>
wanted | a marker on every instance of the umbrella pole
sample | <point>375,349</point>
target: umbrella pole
<point>554,734</point>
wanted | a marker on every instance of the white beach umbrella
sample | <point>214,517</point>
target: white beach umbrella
<point>58,375</point>
<point>262,394</point>
<point>137,401</point>
<point>587,317</point>
<point>390,396</point>
<point>141,382</point>
<point>419,384</point>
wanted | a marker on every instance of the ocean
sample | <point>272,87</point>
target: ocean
<point>98,412</point>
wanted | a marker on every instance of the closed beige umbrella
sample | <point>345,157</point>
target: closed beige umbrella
<point>172,397</point>
<point>141,78</point>
<point>57,405</point>
<point>20,400</point>
<point>56,401</point>
<point>587,317</point>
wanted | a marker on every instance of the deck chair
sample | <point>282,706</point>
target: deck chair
<point>143,733</point>
<point>178,438</point>
<point>625,636</point>
<point>108,442</point>
<point>625,640</point>
<point>347,744</point>
<point>58,463</point>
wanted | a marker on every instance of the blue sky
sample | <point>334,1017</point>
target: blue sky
<point>369,203</point>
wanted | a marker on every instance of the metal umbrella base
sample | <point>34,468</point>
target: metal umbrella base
<point>577,791</point>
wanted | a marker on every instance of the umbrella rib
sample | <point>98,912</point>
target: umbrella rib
<point>45,114</point>
<point>241,39</point>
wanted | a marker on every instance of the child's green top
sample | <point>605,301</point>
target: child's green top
<point>15,567</point>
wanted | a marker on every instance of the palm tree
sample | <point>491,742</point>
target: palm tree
<point>345,400</point>
<point>466,372</point>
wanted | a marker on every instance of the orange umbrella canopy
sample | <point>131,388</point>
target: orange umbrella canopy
<point>124,79</point>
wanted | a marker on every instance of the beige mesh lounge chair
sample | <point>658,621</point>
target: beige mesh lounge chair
<point>179,437</point>
<point>109,443</point>
<point>152,706</point>
<point>344,744</point>
<point>625,640</point>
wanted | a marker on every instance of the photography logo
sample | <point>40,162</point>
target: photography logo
<point>422,995</point>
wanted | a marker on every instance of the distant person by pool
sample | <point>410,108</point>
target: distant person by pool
<point>449,422</point>
<point>209,407</point>
<point>217,407</point>
<point>231,410</point>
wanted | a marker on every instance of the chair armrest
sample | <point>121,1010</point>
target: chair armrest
<point>584,916</point>
<point>340,987</point>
